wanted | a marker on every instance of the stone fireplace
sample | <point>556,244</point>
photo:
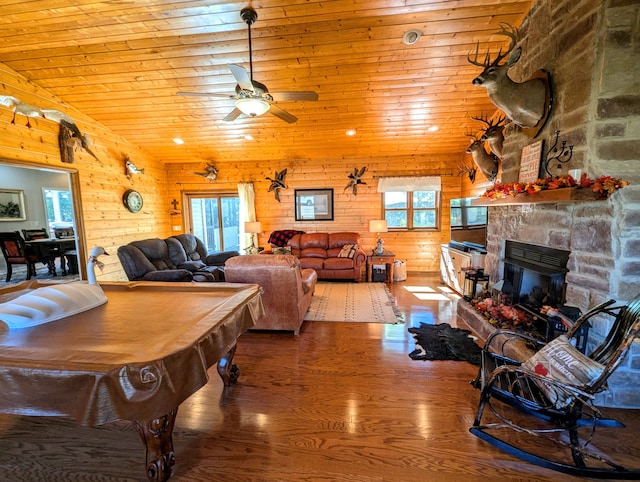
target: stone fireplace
<point>596,108</point>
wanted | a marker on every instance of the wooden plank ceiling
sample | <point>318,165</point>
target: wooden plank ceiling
<point>122,62</point>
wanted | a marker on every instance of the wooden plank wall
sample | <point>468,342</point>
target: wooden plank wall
<point>101,182</point>
<point>351,212</point>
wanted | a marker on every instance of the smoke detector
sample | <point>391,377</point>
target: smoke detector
<point>410,37</point>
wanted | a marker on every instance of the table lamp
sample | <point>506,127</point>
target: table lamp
<point>378,226</point>
<point>253,228</point>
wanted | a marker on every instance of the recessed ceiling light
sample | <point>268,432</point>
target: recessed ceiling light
<point>351,132</point>
<point>248,137</point>
<point>433,128</point>
<point>411,37</point>
<point>177,140</point>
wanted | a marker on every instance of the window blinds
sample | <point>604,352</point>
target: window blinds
<point>426,183</point>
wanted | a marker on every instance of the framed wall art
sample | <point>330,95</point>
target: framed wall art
<point>314,204</point>
<point>12,205</point>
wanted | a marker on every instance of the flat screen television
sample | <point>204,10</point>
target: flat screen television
<point>468,225</point>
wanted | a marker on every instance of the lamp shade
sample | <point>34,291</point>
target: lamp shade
<point>252,227</point>
<point>378,226</point>
<point>252,107</point>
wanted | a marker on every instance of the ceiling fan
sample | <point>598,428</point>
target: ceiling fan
<point>253,98</point>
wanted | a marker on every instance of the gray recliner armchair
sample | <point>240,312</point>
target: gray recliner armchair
<point>189,252</point>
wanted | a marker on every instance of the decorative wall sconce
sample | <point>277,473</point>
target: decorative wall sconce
<point>557,156</point>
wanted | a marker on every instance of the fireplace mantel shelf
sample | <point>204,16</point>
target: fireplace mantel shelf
<point>563,195</point>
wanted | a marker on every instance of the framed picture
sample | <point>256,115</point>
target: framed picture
<point>314,204</point>
<point>530,162</point>
<point>12,205</point>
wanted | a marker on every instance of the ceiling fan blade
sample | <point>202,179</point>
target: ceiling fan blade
<point>242,77</point>
<point>233,115</point>
<point>302,95</point>
<point>284,115</point>
<point>205,94</point>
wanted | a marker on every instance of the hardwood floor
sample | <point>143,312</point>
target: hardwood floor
<point>341,402</point>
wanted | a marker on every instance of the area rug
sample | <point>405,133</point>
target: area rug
<point>353,302</point>
<point>443,342</point>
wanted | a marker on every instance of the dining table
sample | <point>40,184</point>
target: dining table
<point>136,357</point>
<point>48,249</point>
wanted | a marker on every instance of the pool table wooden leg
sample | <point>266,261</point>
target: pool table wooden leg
<point>157,437</point>
<point>228,371</point>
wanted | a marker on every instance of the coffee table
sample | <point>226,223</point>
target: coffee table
<point>135,358</point>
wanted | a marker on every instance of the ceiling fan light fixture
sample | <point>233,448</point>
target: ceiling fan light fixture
<point>252,107</point>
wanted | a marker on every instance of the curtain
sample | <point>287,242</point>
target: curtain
<point>247,198</point>
<point>425,183</point>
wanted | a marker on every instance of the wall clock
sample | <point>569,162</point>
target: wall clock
<point>132,200</point>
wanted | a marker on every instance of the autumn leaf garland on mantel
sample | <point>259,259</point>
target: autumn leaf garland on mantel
<point>605,186</point>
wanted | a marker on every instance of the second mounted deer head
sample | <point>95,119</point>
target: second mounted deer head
<point>526,103</point>
<point>486,162</point>
<point>493,134</point>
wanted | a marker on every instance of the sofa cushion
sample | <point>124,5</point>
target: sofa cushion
<point>338,240</point>
<point>313,253</point>
<point>338,263</point>
<point>314,240</point>
<point>312,263</point>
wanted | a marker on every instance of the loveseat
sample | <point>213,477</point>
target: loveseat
<point>158,259</point>
<point>331,255</point>
<point>287,288</point>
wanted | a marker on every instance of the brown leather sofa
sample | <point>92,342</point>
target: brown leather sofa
<point>321,252</point>
<point>287,289</point>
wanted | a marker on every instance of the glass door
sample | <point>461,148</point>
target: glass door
<point>215,219</point>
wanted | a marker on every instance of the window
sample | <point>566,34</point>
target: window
<point>464,215</point>
<point>59,208</point>
<point>215,219</point>
<point>411,209</point>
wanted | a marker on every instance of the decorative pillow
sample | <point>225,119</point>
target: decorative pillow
<point>348,251</point>
<point>281,250</point>
<point>562,362</point>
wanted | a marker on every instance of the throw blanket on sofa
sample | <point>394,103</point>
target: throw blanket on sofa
<point>281,238</point>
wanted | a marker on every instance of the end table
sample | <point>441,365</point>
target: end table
<point>385,258</point>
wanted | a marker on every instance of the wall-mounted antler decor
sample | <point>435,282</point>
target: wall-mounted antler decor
<point>355,179</point>
<point>277,183</point>
<point>487,162</point>
<point>493,134</point>
<point>470,171</point>
<point>527,103</point>
<point>210,172</point>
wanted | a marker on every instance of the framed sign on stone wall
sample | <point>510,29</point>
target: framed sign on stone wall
<point>530,162</point>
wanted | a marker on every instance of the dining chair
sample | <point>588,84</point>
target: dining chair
<point>15,251</point>
<point>46,252</point>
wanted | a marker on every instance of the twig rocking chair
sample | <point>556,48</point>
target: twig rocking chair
<point>556,385</point>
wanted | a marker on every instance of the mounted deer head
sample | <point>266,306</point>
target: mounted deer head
<point>470,171</point>
<point>525,103</point>
<point>487,163</point>
<point>493,134</point>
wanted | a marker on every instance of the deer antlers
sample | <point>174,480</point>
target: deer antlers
<point>507,30</point>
